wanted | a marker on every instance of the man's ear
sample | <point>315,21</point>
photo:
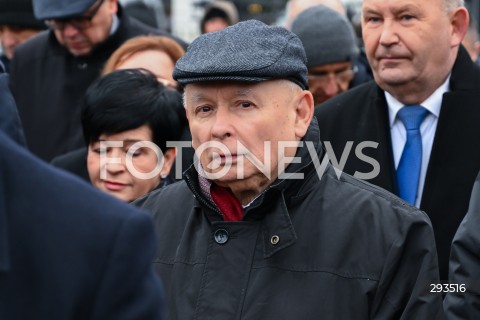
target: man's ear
<point>459,20</point>
<point>304,113</point>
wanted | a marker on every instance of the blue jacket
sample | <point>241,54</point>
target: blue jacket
<point>68,251</point>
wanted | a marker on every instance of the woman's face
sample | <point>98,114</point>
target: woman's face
<point>127,165</point>
<point>158,62</point>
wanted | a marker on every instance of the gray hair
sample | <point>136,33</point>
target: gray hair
<point>451,5</point>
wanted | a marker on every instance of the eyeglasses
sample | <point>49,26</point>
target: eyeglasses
<point>79,23</point>
<point>343,76</point>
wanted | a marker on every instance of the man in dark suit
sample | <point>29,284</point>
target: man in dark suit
<point>68,251</point>
<point>418,63</point>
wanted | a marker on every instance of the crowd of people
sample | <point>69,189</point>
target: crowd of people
<point>300,171</point>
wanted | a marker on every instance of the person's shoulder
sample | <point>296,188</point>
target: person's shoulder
<point>168,198</point>
<point>379,203</point>
<point>35,46</point>
<point>363,201</point>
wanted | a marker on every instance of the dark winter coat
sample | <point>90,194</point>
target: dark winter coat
<point>68,251</point>
<point>464,302</point>
<point>312,248</point>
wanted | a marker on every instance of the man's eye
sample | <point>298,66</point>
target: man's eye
<point>372,19</point>
<point>407,17</point>
<point>245,104</point>
<point>203,109</point>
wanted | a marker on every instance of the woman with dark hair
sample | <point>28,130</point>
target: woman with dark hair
<point>127,118</point>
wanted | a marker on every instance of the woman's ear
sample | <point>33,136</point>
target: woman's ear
<point>168,160</point>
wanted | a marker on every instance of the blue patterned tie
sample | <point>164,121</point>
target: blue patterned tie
<point>408,171</point>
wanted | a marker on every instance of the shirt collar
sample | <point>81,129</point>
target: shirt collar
<point>432,104</point>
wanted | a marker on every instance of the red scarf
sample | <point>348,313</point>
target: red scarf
<point>229,206</point>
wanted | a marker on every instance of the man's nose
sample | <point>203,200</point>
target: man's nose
<point>223,125</point>
<point>69,30</point>
<point>388,34</point>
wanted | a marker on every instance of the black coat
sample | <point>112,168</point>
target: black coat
<point>9,119</point>
<point>345,250</point>
<point>465,264</point>
<point>361,114</point>
<point>48,84</point>
<point>68,251</point>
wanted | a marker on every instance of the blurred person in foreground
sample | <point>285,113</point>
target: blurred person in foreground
<point>419,120</point>
<point>262,222</point>
<point>68,251</point>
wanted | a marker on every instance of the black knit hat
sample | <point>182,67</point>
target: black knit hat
<point>19,13</point>
<point>248,51</point>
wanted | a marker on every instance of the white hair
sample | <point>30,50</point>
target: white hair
<point>451,5</point>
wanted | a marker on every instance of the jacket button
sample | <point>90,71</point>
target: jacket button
<point>274,240</point>
<point>221,236</point>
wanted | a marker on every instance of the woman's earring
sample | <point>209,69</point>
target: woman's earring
<point>163,175</point>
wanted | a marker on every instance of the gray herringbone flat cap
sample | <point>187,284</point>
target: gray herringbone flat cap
<point>60,9</point>
<point>248,51</point>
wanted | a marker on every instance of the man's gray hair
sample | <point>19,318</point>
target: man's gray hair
<point>451,5</point>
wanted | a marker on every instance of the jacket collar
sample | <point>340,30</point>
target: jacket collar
<point>272,206</point>
<point>464,72</point>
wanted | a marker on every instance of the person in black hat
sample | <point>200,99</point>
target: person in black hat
<point>51,73</point>
<point>218,15</point>
<point>262,222</point>
<point>17,24</point>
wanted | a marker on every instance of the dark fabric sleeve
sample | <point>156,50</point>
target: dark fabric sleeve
<point>464,268</point>
<point>130,288</point>
<point>411,266</point>
<point>9,118</point>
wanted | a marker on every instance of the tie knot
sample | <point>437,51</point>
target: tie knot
<point>412,116</point>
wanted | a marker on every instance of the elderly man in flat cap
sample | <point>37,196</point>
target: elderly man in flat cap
<point>262,226</point>
<point>51,72</point>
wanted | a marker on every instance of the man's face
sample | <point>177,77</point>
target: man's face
<point>215,24</point>
<point>409,43</point>
<point>328,80</point>
<point>12,36</point>
<point>80,42</point>
<point>249,114</point>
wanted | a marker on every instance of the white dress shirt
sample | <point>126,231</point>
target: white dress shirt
<point>427,129</point>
